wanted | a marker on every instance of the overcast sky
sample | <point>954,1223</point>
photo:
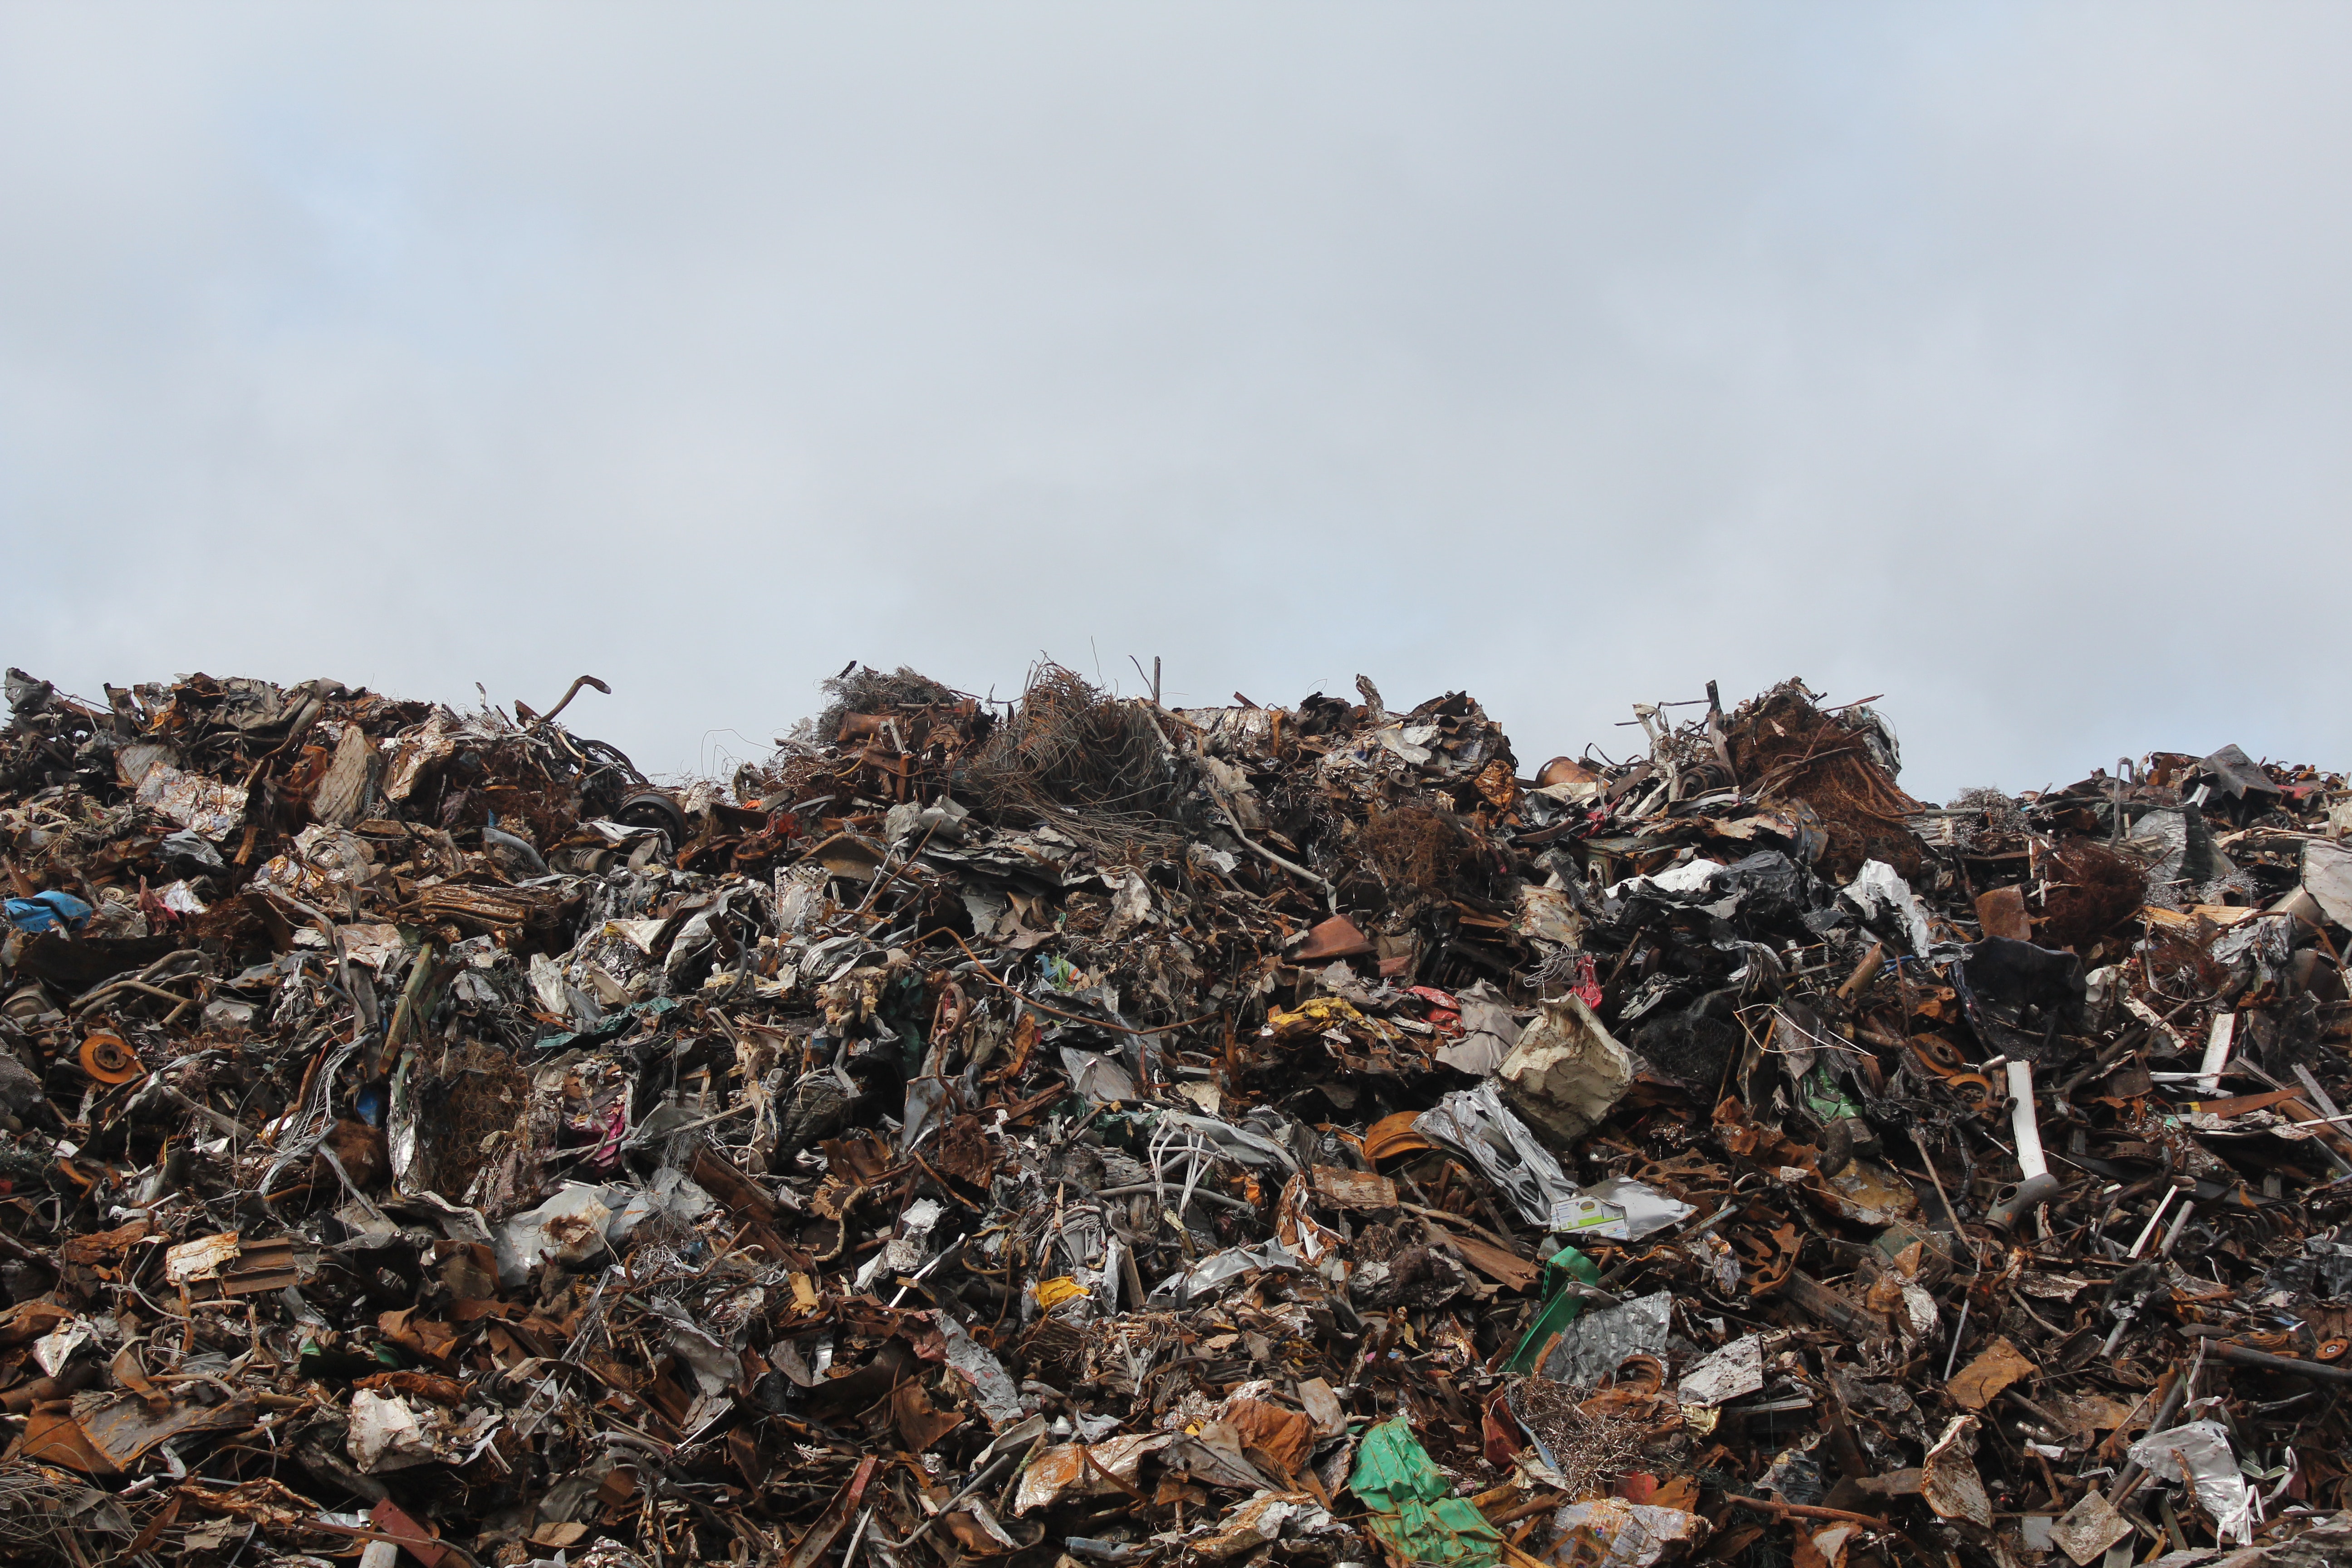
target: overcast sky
<point>1991,358</point>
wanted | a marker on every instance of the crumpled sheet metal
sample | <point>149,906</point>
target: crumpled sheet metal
<point>1566,1071</point>
<point>1881,894</point>
<point>1948,1478</point>
<point>999,1399</point>
<point>2087,1530</point>
<point>1204,1277</point>
<point>1629,1534</point>
<point>1266,1519</point>
<point>1477,1125</point>
<point>2197,1454</point>
<point>1489,1034</point>
<point>104,1435</point>
<point>1086,1469</point>
<point>1734,1370</point>
<point>1602,1338</point>
<point>2327,878</point>
<point>391,1433</point>
<point>1248,1146</point>
<point>199,805</point>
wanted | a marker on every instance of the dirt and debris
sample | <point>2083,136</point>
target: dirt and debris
<point>1078,1130</point>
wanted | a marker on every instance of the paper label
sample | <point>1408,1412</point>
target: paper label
<point>1588,1216</point>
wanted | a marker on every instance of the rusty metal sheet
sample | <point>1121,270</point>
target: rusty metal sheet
<point>2089,1528</point>
<point>1086,1469</point>
<point>1338,937</point>
<point>2000,911</point>
<point>1505,1268</point>
<point>1868,1194</point>
<point>1354,1189</point>
<point>203,1258</point>
<point>341,794</point>
<point>1391,1136</point>
<point>1948,1478</point>
<point>261,1266</point>
<point>1994,1368</point>
<point>122,1430</point>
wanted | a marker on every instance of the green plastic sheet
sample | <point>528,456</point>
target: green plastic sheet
<point>1567,1266</point>
<point>1414,1512</point>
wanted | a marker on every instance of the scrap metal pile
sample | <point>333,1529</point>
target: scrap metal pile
<point>1084,1132</point>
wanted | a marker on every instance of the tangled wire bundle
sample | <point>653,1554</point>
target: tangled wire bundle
<point>40,1509</point>
<point>864,690</point>
<point>1420,854</point>
<point>1094,767</point>
<point>1592,1449</point>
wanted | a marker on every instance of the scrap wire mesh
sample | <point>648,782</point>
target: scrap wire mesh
<point>1094,767</point>
<point>1591,1449</point>
<point>866,690</point>
<point>39,1507</point>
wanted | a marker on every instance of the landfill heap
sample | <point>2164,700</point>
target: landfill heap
<point>1084,1132</point>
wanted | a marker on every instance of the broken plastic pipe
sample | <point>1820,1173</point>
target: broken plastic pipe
<point>2217,1052</point>
<point>2014,1202</point>
<point>2154,1214</point>
<point>518,846</point>
<point>2022,1121</point>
